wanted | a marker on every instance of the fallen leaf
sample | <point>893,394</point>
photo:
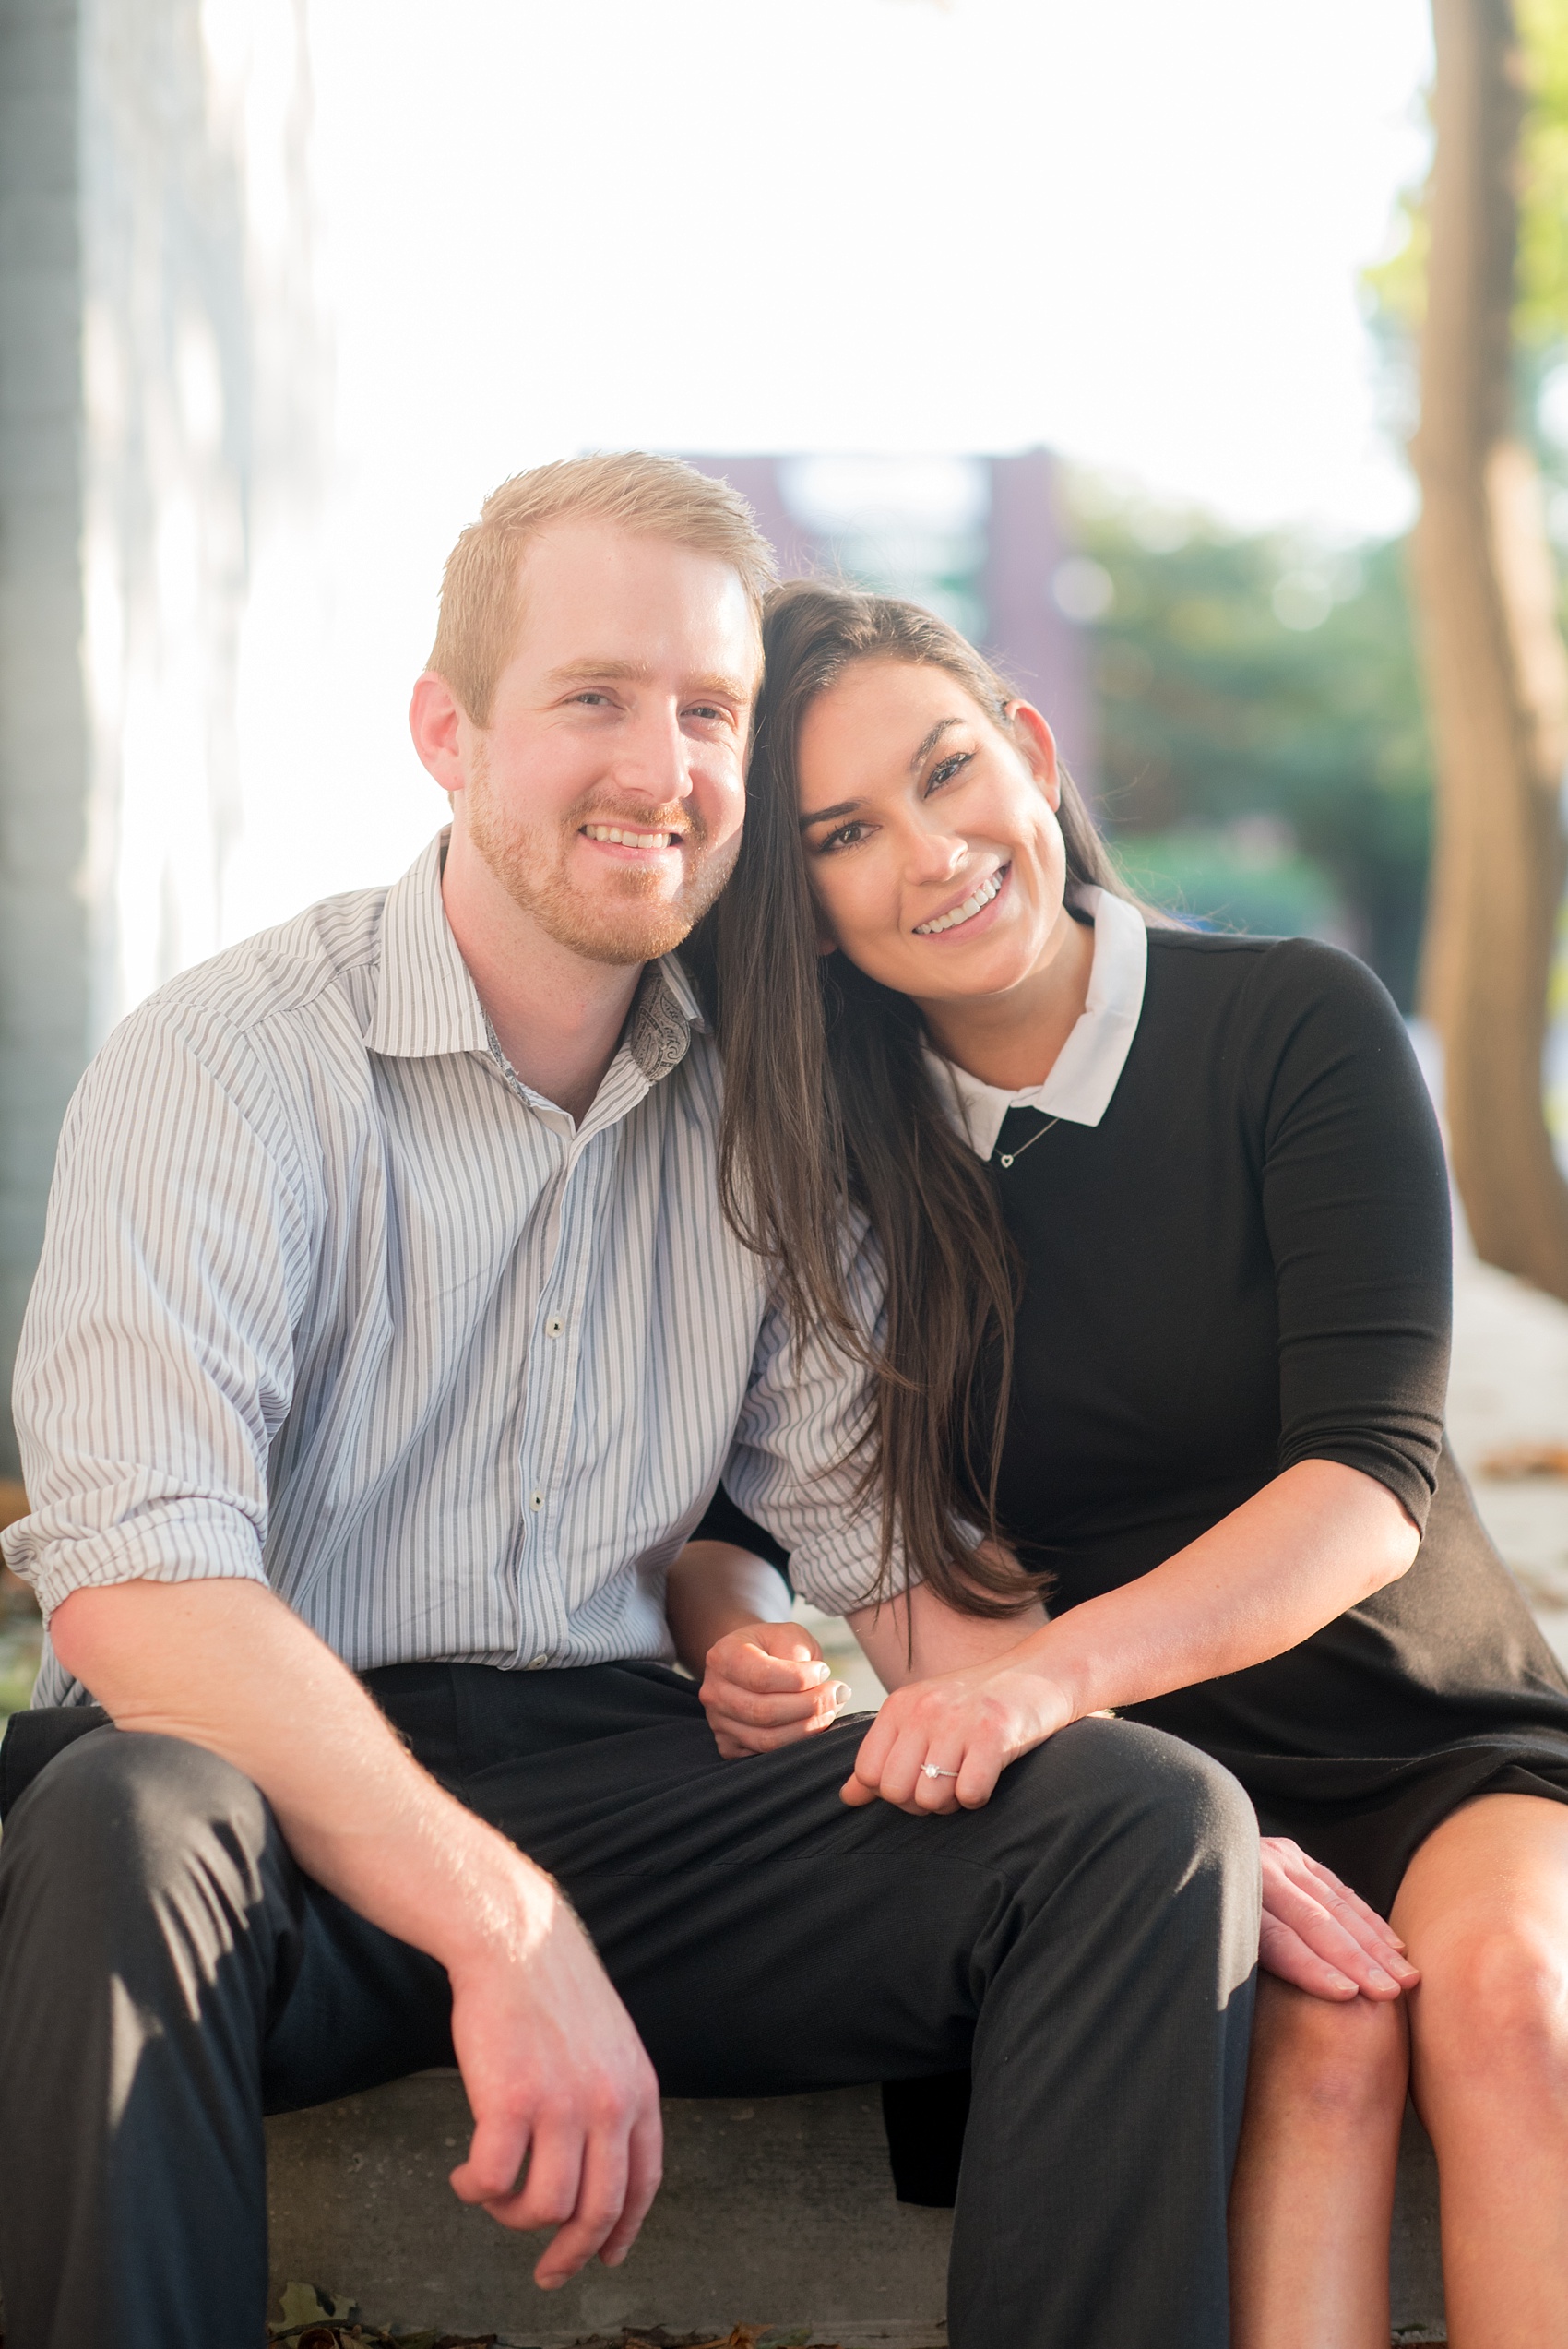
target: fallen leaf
<point>1515,1461</point>
<point>305,2304</point>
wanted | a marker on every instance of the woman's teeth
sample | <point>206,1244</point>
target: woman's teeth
<point>625,838</point>
<point>967,911</point>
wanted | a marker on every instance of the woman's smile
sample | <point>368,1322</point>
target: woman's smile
<point>969,910</point>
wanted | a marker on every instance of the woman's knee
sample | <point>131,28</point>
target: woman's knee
<point>1493,2002</point>
<point>1336,2065</point>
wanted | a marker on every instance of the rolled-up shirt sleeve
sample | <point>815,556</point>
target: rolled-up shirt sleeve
<point>795,1464</point>
<point>156,1361</point>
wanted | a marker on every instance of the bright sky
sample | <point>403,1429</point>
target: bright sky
<point>1128,229</point>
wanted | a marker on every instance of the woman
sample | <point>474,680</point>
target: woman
<point>1208,1425</point>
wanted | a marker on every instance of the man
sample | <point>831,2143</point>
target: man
<point>387,1343</point>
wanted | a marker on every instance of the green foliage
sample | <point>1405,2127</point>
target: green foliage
<point>1541,280</point>
<point>1397,287</point>
<point>1264,751</point>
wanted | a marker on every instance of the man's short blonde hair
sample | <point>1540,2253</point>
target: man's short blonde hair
<point>482,589</point>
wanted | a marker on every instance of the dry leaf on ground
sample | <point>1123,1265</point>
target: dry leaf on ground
<point>1515,1461</point>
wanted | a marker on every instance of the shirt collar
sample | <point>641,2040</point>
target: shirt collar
<point>1090,1063</point>
<point>427,1004</point>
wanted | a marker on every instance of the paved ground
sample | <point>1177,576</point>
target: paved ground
<point>1508,1394</point>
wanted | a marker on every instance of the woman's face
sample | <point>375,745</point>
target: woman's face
<point>935,857</point>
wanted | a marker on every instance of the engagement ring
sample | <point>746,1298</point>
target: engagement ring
<point>930,1770</point>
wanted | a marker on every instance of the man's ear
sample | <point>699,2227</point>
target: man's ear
<point>436,721</point>
<point>1038,745</point>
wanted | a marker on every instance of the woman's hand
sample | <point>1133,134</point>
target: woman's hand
<point>1321,1936</point>
<point>766,1685</point>
<point>941,1745</point>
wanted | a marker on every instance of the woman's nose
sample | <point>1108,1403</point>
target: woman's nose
<point>935,856</point>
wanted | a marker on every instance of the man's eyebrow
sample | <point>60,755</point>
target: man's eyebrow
<point>614,672</point>
<point>584,672</point>
<point>931,741</point>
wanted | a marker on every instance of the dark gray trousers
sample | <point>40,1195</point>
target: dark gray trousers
<point>1085,1943</point>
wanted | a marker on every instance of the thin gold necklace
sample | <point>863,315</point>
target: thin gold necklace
<point>1006,1157</point>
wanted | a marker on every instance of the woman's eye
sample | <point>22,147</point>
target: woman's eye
<point>847,836</point>
<point>946,769</point>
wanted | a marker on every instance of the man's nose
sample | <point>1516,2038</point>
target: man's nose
<point>653,757</point>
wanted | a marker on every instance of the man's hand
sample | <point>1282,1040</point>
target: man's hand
<point>555,2076</point>
<point>1321,1936</point>
<point>964,1728</point>
<point>766,1685</point>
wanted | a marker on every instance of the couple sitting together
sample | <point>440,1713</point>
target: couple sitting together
<point>1062,1293</point>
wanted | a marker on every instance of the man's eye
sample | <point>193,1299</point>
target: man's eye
<point>946,769</point>
<point>706,710</point>
<point>592,700</point>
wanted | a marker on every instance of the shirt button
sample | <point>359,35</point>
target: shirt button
<point>554,1326</point>
<point>536,1501</point>
<point>537,1664</point>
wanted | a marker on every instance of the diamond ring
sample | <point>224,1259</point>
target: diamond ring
<point>930,1770</point>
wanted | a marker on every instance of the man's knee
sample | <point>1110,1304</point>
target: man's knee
<point>120,1825</point>
<point>1150,1793</point>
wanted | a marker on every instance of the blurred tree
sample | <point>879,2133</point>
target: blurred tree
<point>1250,677</point>
<point>1484,281</point>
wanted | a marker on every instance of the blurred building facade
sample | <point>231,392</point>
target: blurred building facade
<point>979,538</point>
<point>164,392</point>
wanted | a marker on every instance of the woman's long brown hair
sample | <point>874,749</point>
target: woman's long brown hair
<point>828,1109</point>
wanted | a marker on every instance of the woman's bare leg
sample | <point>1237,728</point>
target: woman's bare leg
<point>1484,1910</point>
<point>1313,2193</point>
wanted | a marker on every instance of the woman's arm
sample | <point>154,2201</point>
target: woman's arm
<point>1314,1542</point>
<point>1317,1539</point>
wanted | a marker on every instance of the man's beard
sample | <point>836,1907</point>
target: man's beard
<point>626,922</point>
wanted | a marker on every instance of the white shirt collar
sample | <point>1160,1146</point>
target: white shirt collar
<point>1090,1063</point>
<point>427,1005</point>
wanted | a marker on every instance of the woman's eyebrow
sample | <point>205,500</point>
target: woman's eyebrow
<point>848,807</point>
<point>929,744</point>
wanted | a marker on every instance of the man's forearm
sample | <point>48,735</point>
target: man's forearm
<point>227,1666</point>
<point>715,1587</point>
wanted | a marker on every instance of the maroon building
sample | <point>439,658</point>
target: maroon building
<point>992,569</point>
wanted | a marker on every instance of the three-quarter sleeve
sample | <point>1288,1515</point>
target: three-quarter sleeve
<point>156,1361</point>
<point>1355,1199</point>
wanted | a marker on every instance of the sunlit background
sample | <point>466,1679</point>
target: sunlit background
<point>885,237</point>
<point>1073,320</point>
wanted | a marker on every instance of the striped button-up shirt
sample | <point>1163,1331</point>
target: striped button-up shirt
<point>330,1298</point>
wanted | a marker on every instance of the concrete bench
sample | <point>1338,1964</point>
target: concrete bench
<point>777,2213</point>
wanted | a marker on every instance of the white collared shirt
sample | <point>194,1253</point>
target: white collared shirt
<point>1090,1063</point>
<point>330,1299</point>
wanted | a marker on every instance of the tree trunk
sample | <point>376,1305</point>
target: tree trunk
<point>1497,675</point>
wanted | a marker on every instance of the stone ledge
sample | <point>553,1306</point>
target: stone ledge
<point>779,2211</point>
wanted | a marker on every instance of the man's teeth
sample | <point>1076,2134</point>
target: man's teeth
<point>625,838</point>
<point>965,912</point>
